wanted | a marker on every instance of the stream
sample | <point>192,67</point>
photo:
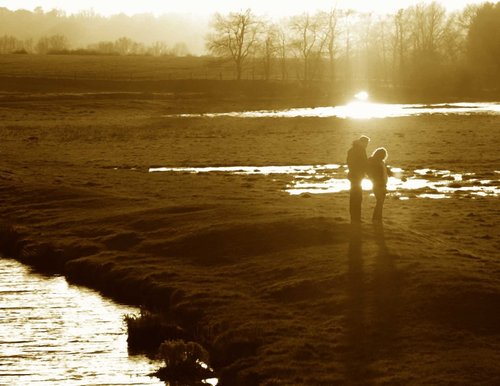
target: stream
<point>54,333</point>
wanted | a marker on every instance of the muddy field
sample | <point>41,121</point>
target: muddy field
<point>279,287</point>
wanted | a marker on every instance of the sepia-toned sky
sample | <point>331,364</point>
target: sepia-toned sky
<point>270,7</point>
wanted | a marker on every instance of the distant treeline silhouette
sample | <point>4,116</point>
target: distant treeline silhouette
<point>59,45</point>
<point>39,32</point>
<point>422,46</point>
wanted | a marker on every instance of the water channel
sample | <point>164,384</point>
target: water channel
<point>363,109</point>
<point>54,333</point>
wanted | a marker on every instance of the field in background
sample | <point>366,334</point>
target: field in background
<point>144,74</point>
<point>129,67</point>
<point>72,73</point>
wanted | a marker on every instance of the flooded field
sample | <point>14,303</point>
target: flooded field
<point>321,179</point>
<point>53,333</point>
<point>366,110</point>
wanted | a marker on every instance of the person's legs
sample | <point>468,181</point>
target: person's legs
<point>355,198</point>
<point>380,196</point>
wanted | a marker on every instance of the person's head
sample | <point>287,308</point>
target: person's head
<point>363,141</point>
<point>380,154</point>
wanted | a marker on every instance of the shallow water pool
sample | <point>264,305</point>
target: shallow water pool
<point>331,178</point>
<point>364,110</point>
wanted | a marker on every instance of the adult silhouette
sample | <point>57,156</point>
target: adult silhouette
<point>357,164</point>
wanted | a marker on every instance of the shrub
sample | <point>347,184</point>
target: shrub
<point>185,362</point>
<point>178,354</point>
<point>148,330</point>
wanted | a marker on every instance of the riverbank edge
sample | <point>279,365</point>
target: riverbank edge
<point>173,322</point>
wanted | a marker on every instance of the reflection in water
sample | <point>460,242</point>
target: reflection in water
<point>55,334</point>
<point>361,109</point>
<point>330,178</point>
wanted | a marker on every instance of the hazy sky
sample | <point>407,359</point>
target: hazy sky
<point>270,7</point>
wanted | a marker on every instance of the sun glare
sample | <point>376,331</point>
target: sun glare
<point>361,96</point>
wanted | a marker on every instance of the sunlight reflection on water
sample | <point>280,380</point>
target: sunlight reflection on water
<point>364,110</point>
<point>266,170</point>
<point>52,333</point>
<point>331,178</point>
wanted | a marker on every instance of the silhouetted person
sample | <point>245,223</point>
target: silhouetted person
<point>378,173</point>
<point>357,163</point>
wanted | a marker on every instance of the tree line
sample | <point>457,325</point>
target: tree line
<point>60,45</point>
<point>420,46</point>
<point>47,32</point>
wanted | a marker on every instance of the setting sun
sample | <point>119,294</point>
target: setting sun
<point>362,96</point>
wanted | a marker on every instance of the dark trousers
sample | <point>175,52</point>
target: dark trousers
<point>355,199</point>
<point>379,192</point>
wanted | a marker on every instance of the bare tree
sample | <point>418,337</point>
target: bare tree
<point>9,44</point>
<point>124,45</point>
<point>427,70</point>
<point>428,27</point>
<point>282,51</point>
<point>179,49</point>
<point>330,21</point>
<point>268,47</point>
<point>453,41</point>
<point>307,42</point>
<point>373,47</point>
<point>383,46</point>
<point>347,18</point>
<point>463,21</point>
<point>54,43</point>
<point>158,48</point>
<point>235,37</point>
<point>399,44</point>
<point>58,43</point>
<point>42,46</point>
<point>106,48</point>
<point>28,45</point>
<point>364,46</point>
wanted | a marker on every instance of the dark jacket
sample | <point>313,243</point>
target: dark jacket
<point>356,161</point>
